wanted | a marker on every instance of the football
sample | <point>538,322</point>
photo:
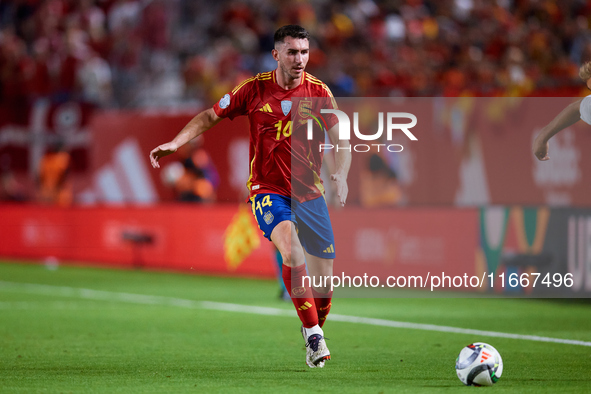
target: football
<point>479,364</point>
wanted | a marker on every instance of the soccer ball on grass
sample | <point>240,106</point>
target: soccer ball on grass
<point>479,364</point>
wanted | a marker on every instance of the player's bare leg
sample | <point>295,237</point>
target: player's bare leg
<point>319,268</point>
<point>285,238</point>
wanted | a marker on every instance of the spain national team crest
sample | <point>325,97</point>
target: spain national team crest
<point>268,217</point>
<point>304,108</point>
<point>286,106</point>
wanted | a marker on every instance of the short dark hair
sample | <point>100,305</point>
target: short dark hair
<point>294,31</point>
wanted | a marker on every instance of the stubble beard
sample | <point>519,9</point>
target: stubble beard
<point>287,72</point>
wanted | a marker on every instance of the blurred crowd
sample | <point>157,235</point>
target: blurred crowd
<point>193,177</point>
<point>138,53</point>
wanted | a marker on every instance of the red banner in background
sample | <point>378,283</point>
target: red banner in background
<point>191,238</point>
<point>44,124</point>
<point>121,170</point>
<point>470,152</point>
<point>37,127</point>
<point>477,151</point>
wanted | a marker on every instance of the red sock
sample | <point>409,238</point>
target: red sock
<point>323,304</point>
<point>302,297</point>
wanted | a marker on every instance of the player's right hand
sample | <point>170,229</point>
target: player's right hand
<point>161,151</point>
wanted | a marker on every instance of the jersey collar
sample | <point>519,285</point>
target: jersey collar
<point>301,80</point>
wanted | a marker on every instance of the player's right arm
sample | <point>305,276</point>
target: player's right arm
<point>197,126</point>
<point>569,116</point>
<point>231,105</point>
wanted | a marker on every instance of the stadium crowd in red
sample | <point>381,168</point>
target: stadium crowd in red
<point>126,53</point>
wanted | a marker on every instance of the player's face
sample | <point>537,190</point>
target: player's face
<point>589,83</point>
<point>292,56</point>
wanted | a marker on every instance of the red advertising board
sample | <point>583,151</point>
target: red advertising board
<point>373,242</point>
<point>166,237</point>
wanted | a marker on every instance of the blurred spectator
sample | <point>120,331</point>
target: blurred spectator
<point>94,76</point>
<point>124,13</point>
<point>194,178</point>
<point>124,58</point>
<point>154,31</point>
<point>379,184</point>
<point>53,185</point>
<point>16,70</point>
<point>174,52</point>
<point>40,84</point>
<point>10,188</point>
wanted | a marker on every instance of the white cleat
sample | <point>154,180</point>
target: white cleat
<point>316,351</point>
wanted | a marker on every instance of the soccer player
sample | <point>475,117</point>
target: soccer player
<point>580,109</point>
<point>286,192</point>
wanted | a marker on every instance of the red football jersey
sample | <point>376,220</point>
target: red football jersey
<point>282,159</point>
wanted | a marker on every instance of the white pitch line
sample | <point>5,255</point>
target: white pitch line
<point>132,298</point>
<point>455,330</point>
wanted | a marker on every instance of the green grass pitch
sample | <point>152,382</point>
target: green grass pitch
<point>54,340</point>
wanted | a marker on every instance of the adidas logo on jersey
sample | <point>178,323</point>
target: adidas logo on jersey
<point>266,108</point>
<point>330,249</point>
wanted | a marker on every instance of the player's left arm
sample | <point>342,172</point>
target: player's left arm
<point>342,163</point>
<point>567,117</point>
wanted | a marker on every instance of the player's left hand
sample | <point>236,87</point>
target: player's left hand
<point>342,188</point>
<point>540,149</point>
